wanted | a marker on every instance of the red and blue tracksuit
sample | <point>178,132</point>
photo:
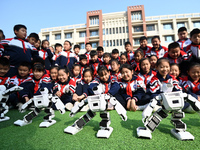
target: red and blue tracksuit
<point>181,57</point>
<point>159,53</point>
<point>47,56</point>
<point>184,43</point>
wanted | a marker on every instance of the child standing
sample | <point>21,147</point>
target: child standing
<point>94,62</point>
<point>33,38</point>
<point>135,63</point>
<point>88,47</point>
<point>100,52</point>
<point>143,45</point>
<point>58,50</point>
<point>115,54</point>
<point>83,62</point>
<point>129,51</point>
<point>123,58</point>
<point>115,66</point>
<point>106,60</point>
<point>183,40</point>
<point>76,51</point>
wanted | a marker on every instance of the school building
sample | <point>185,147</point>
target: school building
<point>111,30</point>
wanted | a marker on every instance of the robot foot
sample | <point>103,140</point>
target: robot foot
<point>72,129</point>
<point>182,135</point>
<point>47,123</point>
<point>21,123</point>
<point>4,119</point>
<point>142,132</point>
<point>104,133</point>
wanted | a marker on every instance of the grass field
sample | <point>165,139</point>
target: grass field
<point>123,136</point>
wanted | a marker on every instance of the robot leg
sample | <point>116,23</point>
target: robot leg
<point>80,123</point>
<point>151,123</point>
<point>3,110</point>
<point>28,118</point>
<point>48,118</point>
<point>180,127</point>
<point>105,129</point>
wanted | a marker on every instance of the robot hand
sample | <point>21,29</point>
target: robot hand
<point>58,103</point>
<point>193,102</point>
<point>77,108</point>
<point>25,105</point>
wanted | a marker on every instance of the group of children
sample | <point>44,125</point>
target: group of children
<point>134,77</point>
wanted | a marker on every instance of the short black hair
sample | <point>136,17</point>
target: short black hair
<point>38,60</point>
<point>93,53</point>
<point>19,26</point>
<point>106,55</point>
<point>38,67</point>
<point>173,45</point>
<point>143,38</point>
<point>194,31</point>
<point>155,37</point>
<point>25,64</point>
<point>139,51</point>
<point>82,56</point>
<point>68,42</point>
<point>128,66</point>
<point>4,61</point>
<point>34,35</point>
<point>127,43</point>
<point>77,46</point>
<point>181,29</point>
<point>100,48</point>
<point>58,45</point>
<point>88,43</point>
<point>115,51</point>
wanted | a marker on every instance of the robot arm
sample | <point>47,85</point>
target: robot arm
<point>25,105</point>
<point>193,102</point>
<point>58,103</point>
<point>77,108</point>
<point>12,90</point>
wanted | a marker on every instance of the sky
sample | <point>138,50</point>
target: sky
<point>39,14</point>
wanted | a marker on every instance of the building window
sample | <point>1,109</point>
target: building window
<point>138,29</point>
<point>82,45</point>
<point>47,37</point>
<point>107,31</point>
<point>113,42</point>
<point>120,30</point>
<point>126,29</point>
<point>57,36</point>
<point>167,26</point>
<point>169,38</point>
<point>113,30</point>
<point>151,27</point>
<point>104,43</point>
<point>124,41</point>
<point>120,42</point>
<point>94,20</point>
<point>117,42</point>
<point>137,41</point>
<point>180,24</point>
<point>68,35</point>
<point>136,15</point>
<point>116,30</point>
<point>110,42</point>
<point>82,34</point>
<point>123,29</point>
<point>94,45</point>
<point>107,43</point>
<point>103,31</point>
<point>149,39</point>
<point>196,24</point>
<point>110,31</point>
<point>94,33</point>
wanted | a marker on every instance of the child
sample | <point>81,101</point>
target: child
<point>123,58</point>
<point>46,54</point>
<point>38,44</point>
<point>106,60</point>
<point>157,49</point>
<point>132,88</point>
<point>143,45</point>
<point>100,52</point>
<point>175,54</point>
<point>17,49</point>
<point>76,51</point>
<point>175,71</point>
<point>135,63</point>
<point>115,66</point>
<point>115,54</point>
<point>183,40</point>
<point>66,58</point>
<point>76,72</point>
<point>88,47</point>
<point>4,68</point>
<point>129,51</point>
<point>83,62</point>
<point>94,62</point>
<point>33,38</point>
<point>193,50</point>
<point>64,88</point>
<point>2,36</point>
<point>58,50</point>
<point>153,60</point>
<point>54,74</point>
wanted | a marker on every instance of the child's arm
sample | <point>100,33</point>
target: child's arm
<point>50,55</point>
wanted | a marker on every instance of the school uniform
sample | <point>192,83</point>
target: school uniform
<point>159,53</point>
<point>181,57</point>
<point>82,88</point>
<point>146,49</point>
<point>184,43</point>
<point>88,57</point>
<point>130,56</point>
<point>116,75</point>
<point>95,66</point>
<point>108,66</point>
<point>193,50</point>
<point>47,56</point>
<point>135,65</point>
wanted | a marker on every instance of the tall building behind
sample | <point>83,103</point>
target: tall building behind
<point>112,30</point>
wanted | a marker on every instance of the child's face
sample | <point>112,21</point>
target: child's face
<point>87,77</point>
<point>21,33</point>
<point>45,44</point>
<point>59,49</point>
<point>23,71</point>
<point>143,43</point>
<point>115,66</point>
<point>76,51</point>
<point>94,58</point>
<point>104,76</point>
<point>182,35</point>
<point>37,44</point>
<point>174,52</point>
<point>194,73</point>
<point>67,46</point>
<point>127,74</point>
<point>88,47</point>
<point>100,54</point>
<point>76,71</point>
<point>83,62</point>
<point>156,43</point>
<point>63,76</point>
<point>137,57</point>
<point>128,48</point>
<point>195,38</point>
<point>38,74</point>
<point>106,60</point>
<point>163,68</point>
<point>115,56</point>
<point>32,40</point>
<point>145,66</point>
<point>123,59</point>
<point>174,70</point>
<point>3,70</point>
<point>153,61</point>
<point>54,74</point>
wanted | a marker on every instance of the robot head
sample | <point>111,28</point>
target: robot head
<point>44,91</point>
<point>98,89</point>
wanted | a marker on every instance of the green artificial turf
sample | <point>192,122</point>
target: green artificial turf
<point>123,136</point>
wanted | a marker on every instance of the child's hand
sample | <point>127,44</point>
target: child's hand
<point>198,98</point>
<point>133,105</point>
<point>58,93</point>
<point>26,99</point>
<point>75,97</point>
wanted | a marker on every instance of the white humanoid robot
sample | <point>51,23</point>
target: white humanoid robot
<point>4,95</point>
<point>97,103</point>
<point>45,100</point>
<point>171,102</point>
